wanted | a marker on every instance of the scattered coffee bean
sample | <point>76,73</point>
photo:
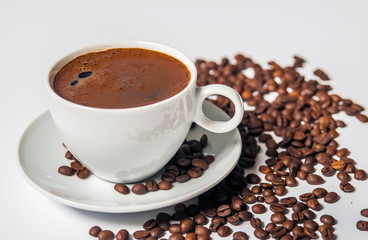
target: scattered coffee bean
<point>253,178</point>
<point>364,212</point>
<point>151,185</point>
<point>69,155</point>
<point>139,189</point>
<point>314,179</point>
<point>156,232</point>
<point>175,228</point>
<point>201,230</point>
<point>331,197</point>
<point>240,236</point>
<point>259,208</point>
<point>347,187</point>
<point>224,231</point>
<point>362,225</point>
<point>360,174</point>
<point>319,192</point>
<point>105,235</point>
<point>314,204</point>
<point>261,233</point>
<point>122,188</point>
<point>66,170</point>
<point>278,218</point>
<point>94,231</point>
<point>255,222</point>
<point>176,236</point>
<point>164,185</point>
<point>123,234</point>
<point>327,219</point>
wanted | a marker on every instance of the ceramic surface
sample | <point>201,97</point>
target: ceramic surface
<point>41,153</point>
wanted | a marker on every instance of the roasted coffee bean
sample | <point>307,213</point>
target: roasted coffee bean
<point>310,233</point>
<point>139,189</point>
<point>156,232</point>
<point>271,199</point>
<point>210,212</point>
<point>287,237</point>
<point>149,224</point>
<point>346,187</point>
<point>175,228</point>
<point>200,163</point>
<point>288,201</point>
<point>83,173</point>
<point>278,218</point>
<point>267,192</point>
<point>163,217</point>
<point>299,206</point>
<point>289,225</point>
<point>182,178</point>
<point>176,236</point>
<point>302,175</point>
<point>94,231</point>
<point>350,168</point>
<point>240,236</point>
<point>362,225</point>
<point>66,170</point>
<point>191,236</point>
<point>308,214</point>
<point>270,226</point>
<point>319,192</point>
<point>338,165</point>
<point>224,210</point>
<point>201,230</point>
<point>321,74</point>
<point>364,212</point>
<point>245,215</point>
<point>194,172</point>
<point>164,226</point>
<point>314,179</point>
<point>277,208</point>
<point>309,223</point>
<point>200,219</point>
<point>331,197</point>
<point>123,234</point>
<point>122,188</point>
<point>177,216</point>
<point>151,185</point>
<point>298,217</point>
<point>164,185</point>
<point>249,198</point>
<point>184,162</point>
<point>280,190</point>
<point>260,233</point>
<point>255,222</point>
<point>253,178</point>
<point>76,165</point>
<point>187,225</point>
<point>360,174</point>
<point>266,185</point>
<point>326,231</point>
<point>209,159</point>
<point>306,196</point>
<point>343,176</point>
<point>196,147</point>
<point>278,232</point>
<point>256,189</point>
<point>224,231</point>
<point>309,168</point>
<point>298,232</point>
<point>314,204</point>
<point>233,220</point>
<point>203,140</point>
<point>361,117</point>
<point>69,155</point>
<point>327,219</point>
<point>105,235</point>
<point>259,208</point>
<point>180,207</point>
<point>237,205</point>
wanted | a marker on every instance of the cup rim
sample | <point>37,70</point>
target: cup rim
<point>121,44</point>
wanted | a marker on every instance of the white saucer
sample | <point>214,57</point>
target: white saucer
<point>41,153</point>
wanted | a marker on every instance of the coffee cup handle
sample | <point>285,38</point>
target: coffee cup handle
<point>218,126</point>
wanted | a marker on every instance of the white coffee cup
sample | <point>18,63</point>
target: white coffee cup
<point>132,144</point>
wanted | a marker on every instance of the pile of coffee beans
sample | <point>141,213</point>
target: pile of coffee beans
<point>299,132</point>
<point>188,162</point>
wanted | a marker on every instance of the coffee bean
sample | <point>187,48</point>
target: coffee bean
<point>361,117</point>
<point>245,215</point>
<point>66,170</point>
<point>259,208</point>
<point>201,230</point>
<point>271,199</point>
<point>83,173</point>
<point>194,172</point>
<point>288,201</point>
<point>180,207</point>
<point>314,204</point>
<point>278,218</point>
<point>210,212</point>
<point>182,178</point>
<point>200,163</point>
<point>255,222</point>
<point>148,225</point>
<point>299,206</point>
<point>277,208</point>
<point>105,235</point>
<point>360,174</point>
<point>270,226</point>
<point>175,228</point>
<point>278,232</point>
<point>233,219</point>
<point>302,175</point>
<point>253,178</point>
<point>151,185</point>
<point>260,233</point>
<point>187,225</point>
<point>94,231</point>
<point>350,168</point>
<point>163,217</point>
<point>267,192</point>
<point>156,232</point>
<point>298,232</point>
<point>209,159</point>
<point>69,155</point>
<point>164,226</point>
<point>364,212</point>
<point>347,187</point>
<point>76,165</point>
<point>327,219</point>
<point>200,219</point>
<point>224,210</point>
<point>176,236</point>
<point>203,140</point>
<point>139,189</point>
<point>309,223</point>
<point>177,216</point>
<point>289,224</point>
<point>123,234</point>
<point>343,176</point>
<point>224,231</point>
<point>338,165</point>
<point>280,190</point>
<point>314,179</point>
<point>256,189</point>
<point>319,192</point>
<point>249,198</point>
<point>310,233</point>
<point>122,188</point>
<point>362,225</point>
<point>306,196</point>
<point>331,197</point>
<point>298,217</point>
<point>326,231</point>
<point>240,236</point>
<point>164,185</point>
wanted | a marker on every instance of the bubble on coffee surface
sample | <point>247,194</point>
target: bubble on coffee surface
<point>75,82</point>
<point>85,74</point>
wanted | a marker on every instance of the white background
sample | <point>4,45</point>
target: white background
<point>332,35</point>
